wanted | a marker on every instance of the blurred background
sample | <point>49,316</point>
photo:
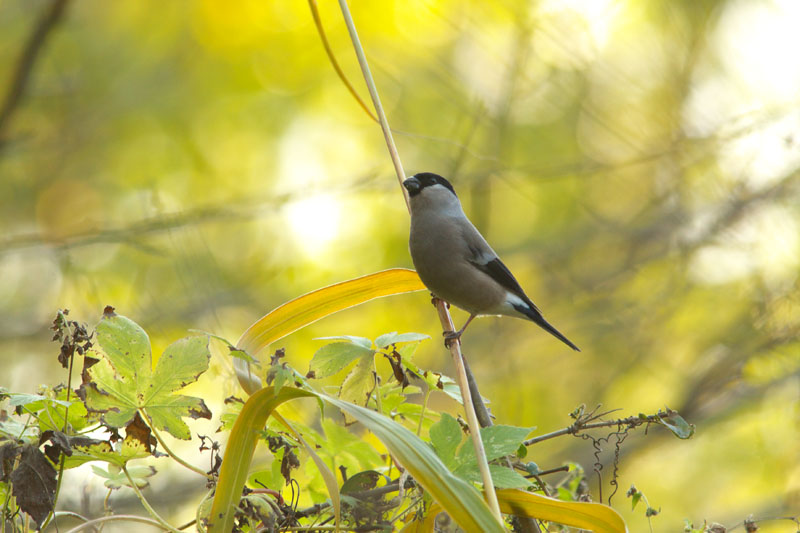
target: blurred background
<point>635,163</point>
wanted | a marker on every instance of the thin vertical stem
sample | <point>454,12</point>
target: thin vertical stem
<point>469,409</point>
<point>444,314</point>
<point>376,101</point>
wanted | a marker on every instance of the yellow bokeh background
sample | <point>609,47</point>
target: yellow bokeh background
<point>635,163</point>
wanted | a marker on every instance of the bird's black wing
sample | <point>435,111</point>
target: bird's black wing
<point>494,268</point>
<point>499,272</point>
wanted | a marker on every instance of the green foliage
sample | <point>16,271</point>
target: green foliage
<point>360,382</point>
<point>121,385</point>
<point>116,478</point>
<point>636,496</point>
<point>676,424</point>
<point>124,381</point>
<point>457,453</point>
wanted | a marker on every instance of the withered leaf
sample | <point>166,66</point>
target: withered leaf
<point>34,484</point>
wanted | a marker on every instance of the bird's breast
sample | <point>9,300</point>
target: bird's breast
<point>443,266</point>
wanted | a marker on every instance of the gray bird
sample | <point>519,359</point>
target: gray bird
<point>457,264</point>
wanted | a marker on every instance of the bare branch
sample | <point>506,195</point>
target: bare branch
<point>27,59</point>
<point>581,424</point>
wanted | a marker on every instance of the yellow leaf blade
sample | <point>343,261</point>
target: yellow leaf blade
<point>315,305</point>
<point>587,516</point>
<point>591,516</point>
<point>239,453</point>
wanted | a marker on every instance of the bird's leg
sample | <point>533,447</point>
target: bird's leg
<point>435,301</point>
<point>450,336</point>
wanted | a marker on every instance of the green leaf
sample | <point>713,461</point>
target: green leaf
<point>51,408</point>
<point>359,382</point>
<point>342,445</point>
<point>333,358</point>
<point>130,448</point>
<point>498,441</point>
<point>445,436</point>
<point>676,424</point>
<point>635,498</point>
<point>272,478</point>
<point>352,339</point>
<point>12,428</point>
<point>503,477</point>
<point>361,481</point>
<point>124,381</point>
<point>522,451</point>
<point>388,339</point>
<point>234,352</point>
<point>115,477</point>
<point>392,396</point>
<point>279,375</point>
<point>449,386</point>
<point>35,402</point>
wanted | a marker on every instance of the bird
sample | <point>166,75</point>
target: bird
<point>456,263</point>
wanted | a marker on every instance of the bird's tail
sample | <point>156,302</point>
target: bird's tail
<point>534,315</point>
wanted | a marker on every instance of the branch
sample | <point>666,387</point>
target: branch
<point>332,58</point>
<point>27,59</point>
<point>376,101</point>
<point>581,424</point>
<point>236,209</point>
<point>116,518</point>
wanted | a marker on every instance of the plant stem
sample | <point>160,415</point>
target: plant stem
<point>377,389</point>
<point>444,315</point>
<point>376,101</point>
<point>156,517</point>
<point>424,408</point>
<point>469,409</point>
<point>332,58</point>
<point>170,452</point>
<point>116,518</point>
<point>64,429</point>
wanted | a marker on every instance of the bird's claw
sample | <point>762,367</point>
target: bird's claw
<point>450,336</point>
<point>435,301</point>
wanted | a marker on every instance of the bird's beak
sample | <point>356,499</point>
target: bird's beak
<point>412,185</point>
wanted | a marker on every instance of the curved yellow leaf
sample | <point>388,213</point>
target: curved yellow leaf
<point>583,515</point>
<point>317,304</point>
<point>239,453</point>
<point>462,501</point>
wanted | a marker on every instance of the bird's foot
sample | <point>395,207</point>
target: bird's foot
<point>450,337</point>
<point>435,301</point>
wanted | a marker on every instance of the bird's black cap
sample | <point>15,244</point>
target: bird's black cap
<point>417,182</point>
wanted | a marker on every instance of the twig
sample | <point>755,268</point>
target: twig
<point>376,101</point>
<point>332,58</point>
<point>444,315</point>
<point>163,444</point>
<point>156,517</point>
<point>27,59</point>
<point>116,518</point>
<point>579,425</point>
<point>239,209</point>
<point>469,409</point>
